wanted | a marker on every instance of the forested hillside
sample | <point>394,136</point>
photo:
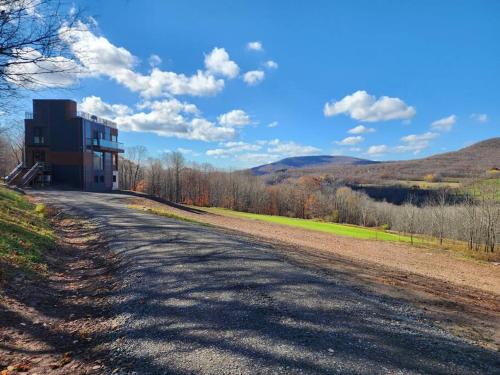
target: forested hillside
<point>469,162</point>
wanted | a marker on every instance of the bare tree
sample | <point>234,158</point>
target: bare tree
<point>176,162</point>
<point>32,45</point>
<point>440,214</point>
<point>133,172</point>
<point>409,217</point>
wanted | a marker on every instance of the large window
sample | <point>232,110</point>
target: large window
<point>98,161</point>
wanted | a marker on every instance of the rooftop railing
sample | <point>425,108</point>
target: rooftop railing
<point>85,115</point>
<point>97,119</point>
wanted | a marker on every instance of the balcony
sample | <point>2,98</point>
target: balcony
<point>105,145</point>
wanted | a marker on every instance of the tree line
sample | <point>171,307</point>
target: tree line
<point>475,220</point>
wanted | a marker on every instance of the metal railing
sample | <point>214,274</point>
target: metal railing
<point>104,143</point>
<point>97,119</point>
<point>14,173</point>
<point>28,115</point>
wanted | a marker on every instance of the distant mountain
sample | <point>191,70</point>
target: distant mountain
<point>300,162</point>
<point>471,161</point>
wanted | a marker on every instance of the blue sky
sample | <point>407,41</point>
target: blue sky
<point>381,80</point>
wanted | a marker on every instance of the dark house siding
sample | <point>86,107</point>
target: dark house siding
<point>58,136</point>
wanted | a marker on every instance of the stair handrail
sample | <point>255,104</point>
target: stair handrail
<point>31,173</point>
<point>14,172</point>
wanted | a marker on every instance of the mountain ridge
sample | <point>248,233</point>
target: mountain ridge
<point>470,161</point>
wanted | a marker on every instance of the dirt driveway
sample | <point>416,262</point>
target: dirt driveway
<point>199,299</point>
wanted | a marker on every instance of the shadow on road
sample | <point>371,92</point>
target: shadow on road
<point>200,300</point>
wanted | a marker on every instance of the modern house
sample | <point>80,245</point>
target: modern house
<point>68,148</point>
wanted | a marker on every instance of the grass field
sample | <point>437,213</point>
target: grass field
<point>333,228</point>
<point>24,230</point>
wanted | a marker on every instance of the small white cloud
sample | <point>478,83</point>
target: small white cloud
<point>290,148</point>
<point>377,150</point>
<point>412,138</point>
<point>255,46</point>
<point>271,64</point>
<point>416,142</point>
<point>218,62</point>
<point>154,60</point>
<point>480,117</point>
<point>253,77</point>
<point>350,141</point>
<point>273,124</point>
<point>445,124</point>
<point>360,129</point>
<point>236,117</point>
<point>96,106</point>
<point>365,107</point>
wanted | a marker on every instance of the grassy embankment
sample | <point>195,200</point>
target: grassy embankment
<point>320,226</point>
<point>25,231</point>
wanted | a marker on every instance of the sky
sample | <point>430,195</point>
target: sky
<point>242,83</point>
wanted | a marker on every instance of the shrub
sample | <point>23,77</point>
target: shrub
<point>41,209</point>
<point>432,177</point>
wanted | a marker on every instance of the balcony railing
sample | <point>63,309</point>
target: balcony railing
<point>28,115</point>
<point>97,119</point>
<point>104,143</point>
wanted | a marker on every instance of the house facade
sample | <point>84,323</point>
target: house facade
<point>69,148</point>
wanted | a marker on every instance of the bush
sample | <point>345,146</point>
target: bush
<point>432,177</point>
<point>41,209</point>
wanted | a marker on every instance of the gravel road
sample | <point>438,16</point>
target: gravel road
<point>200,300</point>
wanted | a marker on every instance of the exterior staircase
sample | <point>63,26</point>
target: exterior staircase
<point>31,174</point>
<point>22,176</point>
<point>15,173</point>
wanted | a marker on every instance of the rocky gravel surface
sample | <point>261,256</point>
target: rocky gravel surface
<point>201,300</point>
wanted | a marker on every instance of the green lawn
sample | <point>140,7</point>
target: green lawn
<point>24,230</point>
<point>333,228</point>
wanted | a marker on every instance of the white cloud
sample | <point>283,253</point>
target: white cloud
<point>99,57</point>
<point>255,46</point>
<point>416,142</point>
<point>253,77</point>
<point>445,124</point>
<point>362,106</point>
<point>218,62</point>
<point>262,151</point>
<point>186,151</point>
<point>412,138</point>
<point>241,146</point>
<point>232,148</point>
<point>377,150</point>
<point>55,72</point>
<point>273,124</point>
<point>236,117</point>
<point>290,148</point>
<point>360,129</point>
<point>94,105</point>
<point>154,60</point>
<point>271,64</point>
<point>167,118</point>
<point>480,117</point>
<point>350,141</point>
